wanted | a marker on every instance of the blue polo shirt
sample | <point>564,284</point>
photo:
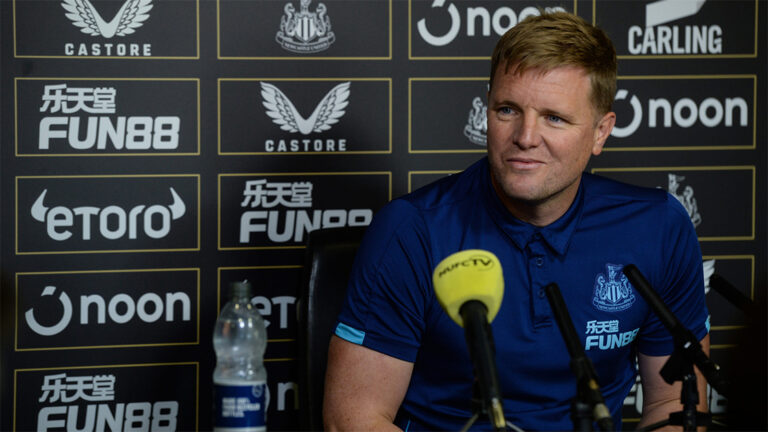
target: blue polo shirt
<point>391,306</point>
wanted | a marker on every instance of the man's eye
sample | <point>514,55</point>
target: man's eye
<point>505,110</point>
<point>554,119</point>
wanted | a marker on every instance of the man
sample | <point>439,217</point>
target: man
<point>398,361</point>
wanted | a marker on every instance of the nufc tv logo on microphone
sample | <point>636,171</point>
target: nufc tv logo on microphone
<point>478,261</point>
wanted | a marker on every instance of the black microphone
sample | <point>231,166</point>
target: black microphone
<point>683,337</point>
<point>581,365</point>
<point>469,286</point>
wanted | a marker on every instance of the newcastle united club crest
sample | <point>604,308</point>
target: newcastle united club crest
<point>613,292</point>
<point>305,32</point>
<point>477,124</point>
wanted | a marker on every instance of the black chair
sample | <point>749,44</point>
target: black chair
<point>328,262</point>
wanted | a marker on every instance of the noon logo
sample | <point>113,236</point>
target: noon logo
<point>119,309</point>
<point>473,22</point>
<point>284,114</point>
<point>683,112</point>
<point>305,32</point>
<point>128,18</point>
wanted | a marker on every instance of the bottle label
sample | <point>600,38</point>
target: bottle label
<point>240,407</point>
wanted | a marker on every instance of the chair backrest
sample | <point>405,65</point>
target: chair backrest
<point>328,262</point>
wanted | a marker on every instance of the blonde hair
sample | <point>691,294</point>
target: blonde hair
<point>556,39</point>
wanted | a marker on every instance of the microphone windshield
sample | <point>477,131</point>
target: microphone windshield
<point>472,274</point>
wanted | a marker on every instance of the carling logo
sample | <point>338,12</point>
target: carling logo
<point>283,113</point>
<point>99,131</point>
<point>111,222</point>
<point>276,206</point>
<point>305,32</point>
<point>657,38</point>
<point>664,11</point>
<point>128,18</point>
<point>476,129</point>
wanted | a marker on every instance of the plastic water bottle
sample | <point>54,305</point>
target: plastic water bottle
<point>240,380</point>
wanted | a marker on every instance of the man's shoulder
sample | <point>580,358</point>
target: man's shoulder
<point>602,193</point>
<point>429,206</point>
<point>602,187</point>
<point>450,190</point>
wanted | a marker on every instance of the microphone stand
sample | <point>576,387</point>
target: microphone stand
<point>588,405</point>
<point>482,351</point>
<point>679,366</point>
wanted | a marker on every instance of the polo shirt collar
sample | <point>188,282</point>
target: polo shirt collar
<point>556,235</point>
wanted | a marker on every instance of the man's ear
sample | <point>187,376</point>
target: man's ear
<point>603,131</point>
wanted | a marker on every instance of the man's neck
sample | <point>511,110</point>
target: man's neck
<point>539,213</point>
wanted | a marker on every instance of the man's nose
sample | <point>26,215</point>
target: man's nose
<point>526,133</point>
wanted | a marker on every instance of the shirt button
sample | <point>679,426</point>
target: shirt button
<point>537,236</point>
<point>539,261</point>
<point>541,293</point>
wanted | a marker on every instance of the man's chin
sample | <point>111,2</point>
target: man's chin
<point>516,194</point>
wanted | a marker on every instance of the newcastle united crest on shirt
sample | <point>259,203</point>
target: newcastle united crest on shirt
<point>612,295</point>
<point>305,32</point>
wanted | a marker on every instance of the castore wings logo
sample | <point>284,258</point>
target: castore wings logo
<point>131,16</point>
<point>284,113</point>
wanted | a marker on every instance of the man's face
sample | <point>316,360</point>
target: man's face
<point>542,129</point>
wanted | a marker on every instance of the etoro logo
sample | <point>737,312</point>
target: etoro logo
<point>119,309</point>
<point>131,16</point>
<point>114,222</point>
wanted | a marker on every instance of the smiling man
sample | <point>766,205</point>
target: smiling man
<point>398,361</point>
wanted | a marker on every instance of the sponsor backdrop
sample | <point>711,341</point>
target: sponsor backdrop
<point>153,151</point>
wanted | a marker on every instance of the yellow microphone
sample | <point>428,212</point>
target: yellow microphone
<point>469,286</point>
<point>471,274</point>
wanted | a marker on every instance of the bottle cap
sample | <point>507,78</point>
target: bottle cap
<point>241,289</point>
